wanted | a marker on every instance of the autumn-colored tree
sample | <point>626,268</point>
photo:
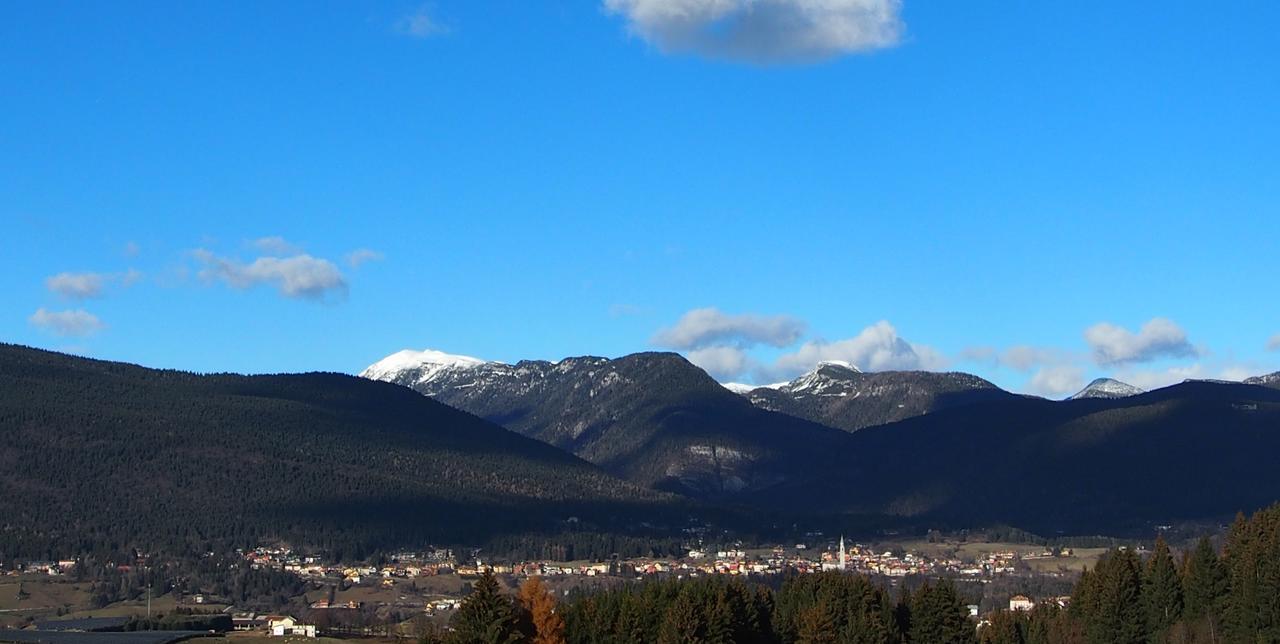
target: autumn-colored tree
<point>540,604</point>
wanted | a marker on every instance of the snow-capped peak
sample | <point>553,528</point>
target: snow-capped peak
<point>838,363</point>
<point>1268,380</point>
<point>427,361</point>
<point>1107,388</point>
<point>738,387</point>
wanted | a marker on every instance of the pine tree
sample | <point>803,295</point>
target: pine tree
<point>681,624</point>
<point>486,616</point>
<point>1161,592</point>
<point>938,615</point>
<point>817,624</point>
<point>1205,584</point>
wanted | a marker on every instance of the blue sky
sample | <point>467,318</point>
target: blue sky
<point>1039,193</point>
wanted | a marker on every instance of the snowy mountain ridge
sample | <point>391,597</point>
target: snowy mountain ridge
<point>1107,388</point>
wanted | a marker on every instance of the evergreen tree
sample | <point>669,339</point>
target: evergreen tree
<point>1117,608</point>
<point>817,624</point>
<point>938,615</point>
<point>1204,589</point>
<point>1161,592</point>
<point>486,616</point>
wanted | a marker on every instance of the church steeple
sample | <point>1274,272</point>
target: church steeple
<point>843,556</point>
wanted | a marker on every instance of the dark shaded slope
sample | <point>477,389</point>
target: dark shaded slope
<point>1193,451</point>
<point>94,451</point>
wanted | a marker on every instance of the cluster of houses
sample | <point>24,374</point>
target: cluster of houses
<point>52,568</point>
<point>272,625</point>
<point>728,561</point>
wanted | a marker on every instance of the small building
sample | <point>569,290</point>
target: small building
<point>1021,602</point>
<point>288,626</point>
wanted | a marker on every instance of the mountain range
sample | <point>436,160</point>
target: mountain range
<point>947,446</point>
<point>95,452</point>
<point>652,418</point>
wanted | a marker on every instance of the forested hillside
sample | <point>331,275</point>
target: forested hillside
<point>1194,451</point>
<point>96,452</point>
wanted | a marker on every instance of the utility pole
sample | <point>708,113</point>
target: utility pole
<point>148,600</point>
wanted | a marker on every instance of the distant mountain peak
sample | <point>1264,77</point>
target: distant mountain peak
<point>1107,388</point>
<point>426,363</point>
<point>1267,380</point>
<point>738,387</point>
<point>837,364</point>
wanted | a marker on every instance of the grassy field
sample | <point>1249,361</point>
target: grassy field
<point>973,551</point>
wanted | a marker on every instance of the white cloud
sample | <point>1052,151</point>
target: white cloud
<point>723,363</point>
<point>361,256</point>
<point>76,286</point>
<point>275,245</point>
<point>877,348</point>
<point>1155,379</point>
<point>980,354</point>
<point>74,322</point>
<point>420,24</point>
<point>709,326</point>
<point>764,31</point>
<point>1158,338</point>
<point>131,249</point>
<point>298,276</point>
<point>1025,357</point>
<point>1057,381</point>
<point>81,286</point>
<point>1274,343</point>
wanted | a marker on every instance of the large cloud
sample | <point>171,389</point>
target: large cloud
<point>1057,381</point>
<point>75,322</point>
<point>300,276</point>
<point>1158,338</point>
<point>701,328</point>
<point>723,363</point>
<point>877,348</point>
<point>764,30</point>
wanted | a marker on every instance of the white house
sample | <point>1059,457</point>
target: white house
<point>1021,602</point>
<point>286,626</point>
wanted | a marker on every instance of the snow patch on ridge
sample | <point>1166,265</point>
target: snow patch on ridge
<point>1107,388</point>
<point>428,361</point>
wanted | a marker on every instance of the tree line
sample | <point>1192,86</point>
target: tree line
<point>1206,595</point>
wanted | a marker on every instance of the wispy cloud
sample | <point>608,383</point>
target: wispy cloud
<point>275,245</point>
<point>1158,338</point>
<point>76,286</point>
<point>709,326</point>
<point>1274,343</point>
<point>764,31</point>
<point>420,24</point>
<point>361,256</point>
<point>83,286</point>
<point>71,322</point>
